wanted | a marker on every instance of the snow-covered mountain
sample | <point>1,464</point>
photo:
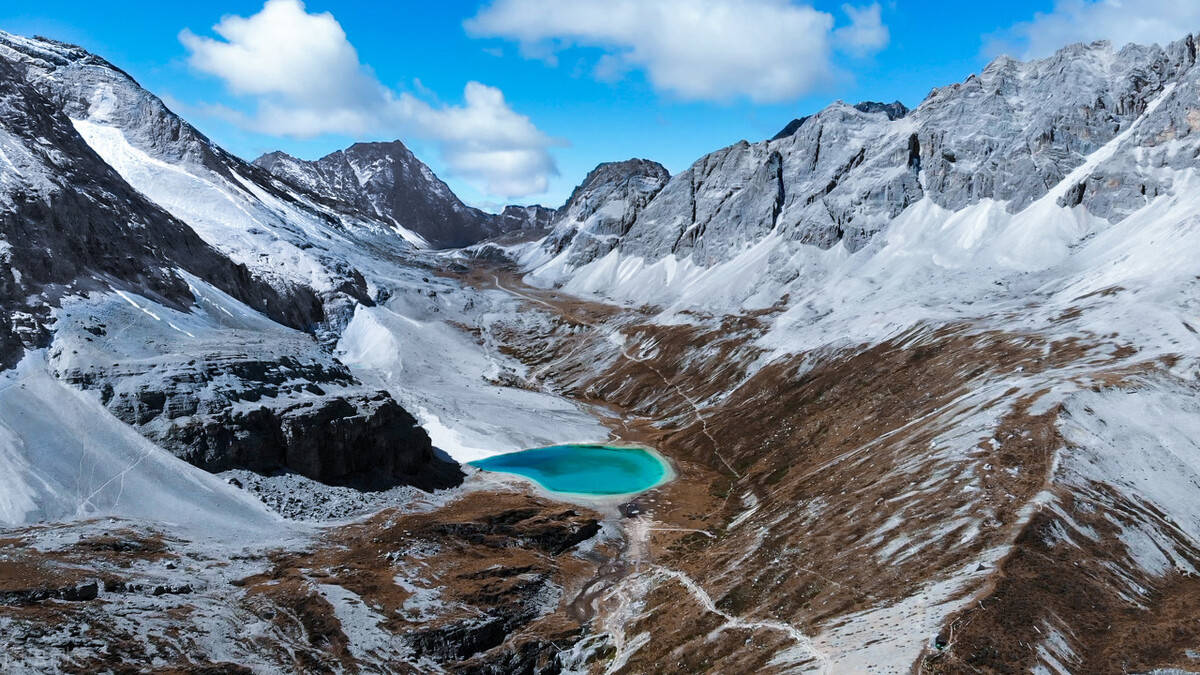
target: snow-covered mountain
<point>927,379</point>
<point>288,239</point>
<point>387,182</point>
<point>126,264</point>
<point>71,225</point>
<point>969,333</point>
<point>1009,135</point>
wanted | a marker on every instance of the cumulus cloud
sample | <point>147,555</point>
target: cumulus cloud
<point>1119,21</point>
<point>306,79</point>
<point>485,139</point>
<point>764,50</point>
<point>866,33</point>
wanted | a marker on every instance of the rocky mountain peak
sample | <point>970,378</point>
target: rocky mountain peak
<point>385,180</point>
<point>603,207</point>
<point>638,174</point>
<point>894,111</point>
<point>531,218</point>
<point>271,159</point>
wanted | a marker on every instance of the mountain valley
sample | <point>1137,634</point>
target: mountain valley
<point>927,381</point>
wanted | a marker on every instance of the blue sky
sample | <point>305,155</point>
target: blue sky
<point>576,88</point>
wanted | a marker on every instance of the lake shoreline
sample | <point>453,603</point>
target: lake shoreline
<point>491,465</point>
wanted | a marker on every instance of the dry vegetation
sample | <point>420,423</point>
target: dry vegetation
<point>834,483</point>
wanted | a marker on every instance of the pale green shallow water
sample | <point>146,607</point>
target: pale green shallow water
<point>596,470</point>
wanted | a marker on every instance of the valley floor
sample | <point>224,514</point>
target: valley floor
<point>920,504</point>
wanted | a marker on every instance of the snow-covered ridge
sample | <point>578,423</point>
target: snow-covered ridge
<point>1006,136</point>
<point>184,289</point>
<point>387,182</point>
<point>286,237</point>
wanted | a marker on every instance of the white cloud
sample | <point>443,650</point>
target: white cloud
<point>485,140</point>
<point>866,33</point>
<point>306,79</point>
<point>1119,21</point>
<point>764,50</point>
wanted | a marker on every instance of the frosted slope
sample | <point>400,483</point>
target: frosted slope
<point>227,219</point>
<point>63,456</point>
<point>448,380</point>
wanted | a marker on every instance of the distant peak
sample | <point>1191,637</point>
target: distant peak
<point>627,167</point>
<point>527,208</point>
<point>622,172</point>
<point>271,159</point>
<point>363,145</point>
<point>894,111</point>
<point>275,154</point>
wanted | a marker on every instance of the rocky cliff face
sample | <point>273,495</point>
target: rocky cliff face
<point>602,208</point>
<point>894,110</point>
<point>1017,129</point>
<point>258,397</point>
<point>1008,134</point>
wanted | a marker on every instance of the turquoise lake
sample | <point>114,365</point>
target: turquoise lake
<point>583,469</point>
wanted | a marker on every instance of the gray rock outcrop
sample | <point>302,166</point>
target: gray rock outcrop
<point>602,209</point>
<point>840,176</point>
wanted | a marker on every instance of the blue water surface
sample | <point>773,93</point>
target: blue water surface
<point>583,469</point>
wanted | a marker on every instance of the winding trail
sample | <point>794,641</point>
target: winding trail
<point>631,588</point>
<point>732,621</point>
